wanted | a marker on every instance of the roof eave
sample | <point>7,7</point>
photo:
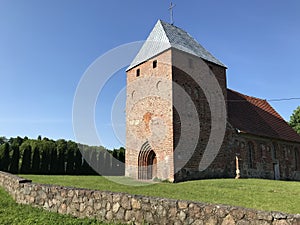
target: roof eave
<point>265,136</point>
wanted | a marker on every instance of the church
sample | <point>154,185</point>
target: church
<point>183,123</point>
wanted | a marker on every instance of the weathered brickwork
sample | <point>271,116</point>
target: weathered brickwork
<point>133,209</point>
<point>167,94</point>
<point>267,158</point>
<point>185,68</point>
<point>149,130</point>
<point>144,82</point>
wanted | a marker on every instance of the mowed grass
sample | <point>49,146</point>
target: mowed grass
<point>12,213</point>
<point>258,194</point>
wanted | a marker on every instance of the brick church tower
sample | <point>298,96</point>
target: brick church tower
<point>182,122</point>
<point>168,113</point>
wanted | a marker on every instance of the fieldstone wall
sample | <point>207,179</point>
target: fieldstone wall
<point>266,153</point>
<point>134,209</point>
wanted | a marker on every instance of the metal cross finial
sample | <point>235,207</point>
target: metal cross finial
<point>171,13</point>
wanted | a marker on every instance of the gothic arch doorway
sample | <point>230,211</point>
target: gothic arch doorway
<point>147,162</point>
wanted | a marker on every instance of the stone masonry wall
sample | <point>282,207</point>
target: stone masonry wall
<point>265,154</point>
<point>134,209</point>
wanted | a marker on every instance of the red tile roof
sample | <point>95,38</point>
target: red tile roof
<point>256,116</point>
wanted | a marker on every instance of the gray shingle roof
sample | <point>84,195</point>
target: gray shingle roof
<point>165,36</point>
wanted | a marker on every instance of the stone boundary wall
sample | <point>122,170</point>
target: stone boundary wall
<point>133,209</point>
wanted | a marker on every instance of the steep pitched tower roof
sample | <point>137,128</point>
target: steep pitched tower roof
<point>165,36</point>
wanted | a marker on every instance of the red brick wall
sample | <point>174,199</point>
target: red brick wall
<point>149,115</point>
<point>185,68</point>
<point>153,116</point>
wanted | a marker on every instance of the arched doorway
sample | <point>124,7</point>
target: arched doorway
<point>147,162</point>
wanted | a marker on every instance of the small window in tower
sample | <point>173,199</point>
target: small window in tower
<point>154,63</point>
<point>138,72</point>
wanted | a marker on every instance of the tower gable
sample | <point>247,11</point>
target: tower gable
<point>165,36</point>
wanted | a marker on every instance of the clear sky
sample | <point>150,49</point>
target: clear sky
<point>46,46</point>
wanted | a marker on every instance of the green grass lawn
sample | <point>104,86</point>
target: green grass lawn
<point>12,213</point>
<point>259,194</point>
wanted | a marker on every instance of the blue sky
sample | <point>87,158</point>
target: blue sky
<point>46,46</point>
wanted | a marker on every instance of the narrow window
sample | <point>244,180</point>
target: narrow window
<point>285,151</point>
<point>263,151</point>
<point>138,72</point>
<point>274,151</point>
<point>297,160</point>
<point>251,155</point>
<point>154,64</point>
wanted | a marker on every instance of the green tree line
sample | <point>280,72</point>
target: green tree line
<point>295,120</point>
<point>61,157</point>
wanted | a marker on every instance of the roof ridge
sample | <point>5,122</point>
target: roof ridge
<point>164,22</point>
<point>247,96</point>
<point>168,24</point>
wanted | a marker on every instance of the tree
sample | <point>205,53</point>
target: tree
<point>78,162</point>
<point>86,169</point>
<point>4,157</point>
<point>45,162</point>
<point>107,163</point>
<point>122,159</point>
<point>122,154</point>
<point>93,161</point>
<point>115,162</point>
<point>16,141</point>
<point>2,140</point>
<point>36,160</point>
<point>100,168</point>
<point>46,146</point>
<point>26,159</point>
<point>53,161</point>
<point>61,146</point>
<point>295,120</point>
<point>14,165</point>
<point>71,149</point>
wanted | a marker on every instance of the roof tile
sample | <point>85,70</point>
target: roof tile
<point>256,116</point>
